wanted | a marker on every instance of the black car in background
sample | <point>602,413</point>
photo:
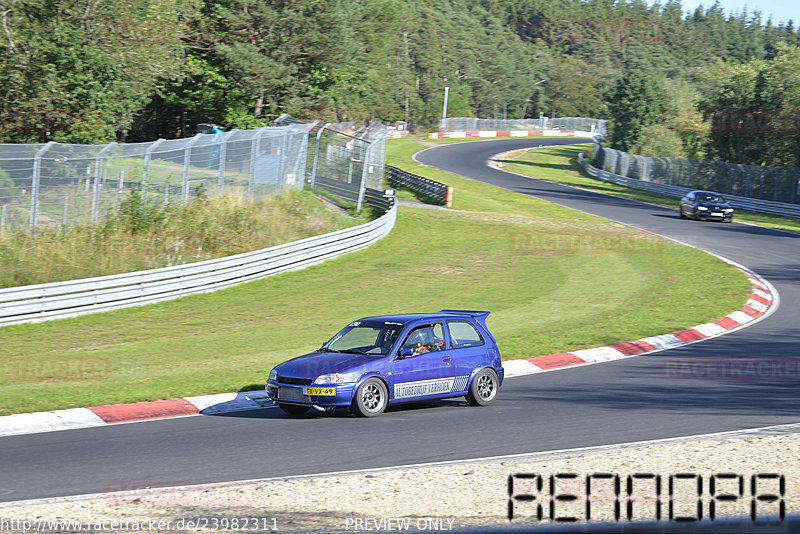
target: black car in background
<point>706,205</point>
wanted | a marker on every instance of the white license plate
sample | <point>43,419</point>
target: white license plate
<point>291,394</point>
<point>716,214</point>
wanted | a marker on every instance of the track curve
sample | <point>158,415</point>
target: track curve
<point>616,402</point>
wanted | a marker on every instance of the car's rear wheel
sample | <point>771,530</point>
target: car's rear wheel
<point>294,409</point>
<point>370,399</point>
<point>483,389</point>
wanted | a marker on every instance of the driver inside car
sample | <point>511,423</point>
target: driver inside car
<point>424,340</point>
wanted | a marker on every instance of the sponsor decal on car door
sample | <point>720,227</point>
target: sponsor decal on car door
<point>430,370</point>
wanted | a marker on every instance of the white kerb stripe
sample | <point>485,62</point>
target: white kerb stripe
<point>740,317</point>
<point>709,329</point>
<point>762,294</point>
<point>29,423</point>
<point>664,341</point>
<point>230,402</point>
<point>520,367</point>
<point>599,354</point>
<point>757,305</point>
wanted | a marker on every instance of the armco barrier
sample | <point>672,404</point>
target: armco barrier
<point>78,297</point>
<point>752,204</point>
<point>435,190</point>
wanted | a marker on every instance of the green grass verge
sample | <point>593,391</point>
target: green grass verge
<point>560,164</point>
<point>149,236</point>
<point>554,279</point>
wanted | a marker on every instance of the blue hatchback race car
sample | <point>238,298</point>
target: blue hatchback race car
<point>387,359</point>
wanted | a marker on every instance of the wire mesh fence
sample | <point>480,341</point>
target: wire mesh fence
<point>52,184</point>
<point>467,124</point>
<point>777,184</point>
<point>346,159</point>
<point>56,184</point>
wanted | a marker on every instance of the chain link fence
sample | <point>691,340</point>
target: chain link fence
<point>346,159</point>
<point>54,184</point>
<point>468,124</point>
<point>777,184</point>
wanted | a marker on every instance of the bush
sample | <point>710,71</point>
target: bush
<point>656,141</point>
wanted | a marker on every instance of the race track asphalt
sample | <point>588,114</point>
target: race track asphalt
<point>617,402</point>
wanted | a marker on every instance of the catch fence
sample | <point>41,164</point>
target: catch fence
<point>774,184</point>
<point>347,161</point>
<point>54,184</point>
<point>59,184</point>
<point>467,124</point>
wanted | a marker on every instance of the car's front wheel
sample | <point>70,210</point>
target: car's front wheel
<point>294,409</point>
<point>483,388</point>
<point>370,399</point>
<point>683,215</point>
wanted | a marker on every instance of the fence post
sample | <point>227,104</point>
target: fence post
<point>255,146</point>
<point>37,172</point>
<point>120,186</point>
<point>283,161</point>
<point>316,157</point>
<point>98,171</point>
<point>3,219</point>
<point>361,188</point>
<point>66,208</point>
<point>223,155</point>
<point>302,155</point>
<point>350,169</point>
<point>187,160</point>
<point>147,157</point>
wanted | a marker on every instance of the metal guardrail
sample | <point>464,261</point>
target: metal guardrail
<point>752,204</point>
<point>78,297</point>
<point>437,191</point>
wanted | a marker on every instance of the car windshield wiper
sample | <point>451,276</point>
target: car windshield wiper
<point>349,351</point>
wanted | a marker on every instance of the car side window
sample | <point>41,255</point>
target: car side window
<point>463,334</point>
<point>425,338</point>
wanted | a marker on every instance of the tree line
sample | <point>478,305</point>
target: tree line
<point>702,84</point>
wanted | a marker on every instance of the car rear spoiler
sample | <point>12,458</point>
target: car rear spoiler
<point>479,316</point>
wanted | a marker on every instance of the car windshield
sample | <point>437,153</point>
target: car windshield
<point>710,198</point>
<point>366,337</point>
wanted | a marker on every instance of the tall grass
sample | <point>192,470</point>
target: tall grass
<point>145,236</point>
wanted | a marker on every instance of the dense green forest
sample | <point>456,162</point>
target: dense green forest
<point>705,84</point>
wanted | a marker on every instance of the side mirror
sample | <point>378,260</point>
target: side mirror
<point>405,352</point>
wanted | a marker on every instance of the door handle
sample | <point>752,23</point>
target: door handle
<point>447,359</point>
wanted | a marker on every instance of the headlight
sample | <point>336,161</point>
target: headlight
<point>337,378</point>
<point>273,375</point>
<point>702,208</point>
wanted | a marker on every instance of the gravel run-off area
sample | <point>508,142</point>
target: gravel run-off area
<point>459,496</point>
